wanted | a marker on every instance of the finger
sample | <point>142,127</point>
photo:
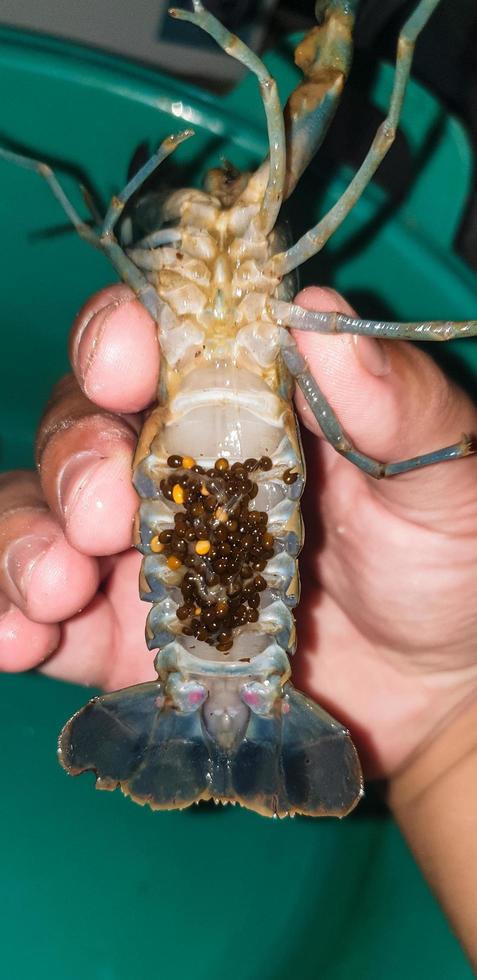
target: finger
<point>393,402</point>
<point>39,570</point>
<point>86,650</point>
<point>114,351</point>
<point>85,457</point>
<point>24,644</point>
<point>104,645</point>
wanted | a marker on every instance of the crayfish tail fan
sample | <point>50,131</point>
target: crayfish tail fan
<point>132,739</point>
<point>298,760</point>
<point>295,759</point>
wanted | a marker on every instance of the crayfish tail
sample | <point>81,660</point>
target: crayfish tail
<point>131,739</point>
<point>295,759</point>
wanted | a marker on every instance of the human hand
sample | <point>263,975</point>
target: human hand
<point>387,620</point>
<point>68,575</point>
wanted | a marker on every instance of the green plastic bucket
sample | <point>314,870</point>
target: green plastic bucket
<point>90,885</point>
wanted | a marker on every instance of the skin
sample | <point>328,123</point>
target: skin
<point>388,620</point>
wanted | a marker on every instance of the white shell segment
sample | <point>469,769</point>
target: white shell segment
<point>224,393</point>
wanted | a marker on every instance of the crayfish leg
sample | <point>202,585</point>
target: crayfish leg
<point>335,434</point>
<point>314,239</point>
<point>324,56</point>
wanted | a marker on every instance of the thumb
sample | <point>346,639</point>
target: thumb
<point>394,403</point>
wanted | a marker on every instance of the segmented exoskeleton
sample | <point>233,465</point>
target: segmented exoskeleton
<point>219,466</point>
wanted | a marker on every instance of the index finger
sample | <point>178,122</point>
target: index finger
<point>114,351</point>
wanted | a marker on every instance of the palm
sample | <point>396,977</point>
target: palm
<point>388,618</point>
<point>104,645</point>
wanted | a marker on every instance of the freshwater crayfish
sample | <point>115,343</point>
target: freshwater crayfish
<point>219,466</point>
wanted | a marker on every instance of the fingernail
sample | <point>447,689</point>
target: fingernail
<point>21,558</point>
<point>86,347</point>
<point>91,335</point>
<point>107,300</point>
<point>73,478</point>
<point>373,356</point>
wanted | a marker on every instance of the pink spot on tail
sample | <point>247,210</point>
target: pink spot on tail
<point>195,697</point>
<point>252,699</point>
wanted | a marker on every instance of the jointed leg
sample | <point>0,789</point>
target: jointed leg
<point>335,435</point>
<point>324,56</point>
<point>165,236</point>
<point>123,265</point>
<point>119,202</point>
<point>91,205</point>
<point>105,239</point>
<point>313,240</point>
<point>47,173</point>
<point>128,271</point>
<point>335,323</point>
<point>233,46</point>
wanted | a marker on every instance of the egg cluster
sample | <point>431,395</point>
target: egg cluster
<point>221,544</point>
